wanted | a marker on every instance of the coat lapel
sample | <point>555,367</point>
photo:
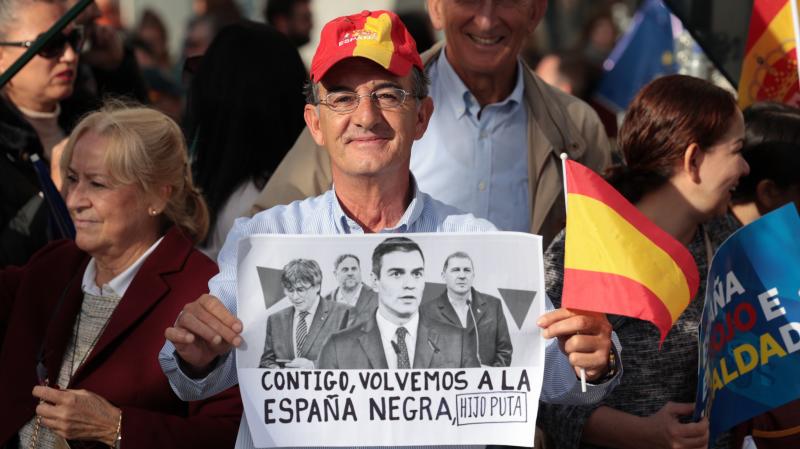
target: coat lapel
<point>146,290</point>
<point>366,300</point>
<point>321,315</point>
<point>370,341</point>
<point>446,310</point>
<point>59,331</point>
<point>426,347</point>
<point>478,306</point>
<point>550,133</point>
<point>284,328</point>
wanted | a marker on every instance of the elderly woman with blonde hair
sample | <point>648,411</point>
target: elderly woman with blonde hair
<point>82,323</point>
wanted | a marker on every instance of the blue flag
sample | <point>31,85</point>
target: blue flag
<point>645,52</point>
<point>749,335</point>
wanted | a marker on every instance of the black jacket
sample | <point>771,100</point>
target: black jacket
<point>23,212</point>
<point>24,218</point>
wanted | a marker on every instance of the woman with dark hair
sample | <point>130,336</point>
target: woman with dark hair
<point>772,149</point>
<point>681,141</point>
<point>244,112</point>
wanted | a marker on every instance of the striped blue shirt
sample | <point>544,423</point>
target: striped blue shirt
<point>324,215</point>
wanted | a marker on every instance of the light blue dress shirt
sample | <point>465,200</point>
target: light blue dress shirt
<point>473,159</point>
<point>324,215</point>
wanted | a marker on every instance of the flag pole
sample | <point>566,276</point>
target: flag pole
<point>564,157</point>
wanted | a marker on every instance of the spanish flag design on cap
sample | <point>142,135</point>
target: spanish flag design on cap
<point>379,36</point>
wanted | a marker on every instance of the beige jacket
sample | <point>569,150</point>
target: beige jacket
<point>558,123</point>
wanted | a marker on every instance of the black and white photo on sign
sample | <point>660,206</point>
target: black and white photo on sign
<point>420,301</point>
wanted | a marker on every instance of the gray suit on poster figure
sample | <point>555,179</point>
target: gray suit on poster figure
<point>478,311</point>
<point>398,276</point>
<point>301,279</point>
<point>438,345</point>
<point>351,291</point>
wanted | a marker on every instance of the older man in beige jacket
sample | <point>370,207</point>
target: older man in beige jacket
<point>483,41</point>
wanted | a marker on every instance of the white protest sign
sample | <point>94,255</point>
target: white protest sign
<point>335,375</point>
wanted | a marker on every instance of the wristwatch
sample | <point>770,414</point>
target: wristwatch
<point>613,367</point>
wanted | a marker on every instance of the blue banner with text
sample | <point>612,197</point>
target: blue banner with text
<point>750,330</point>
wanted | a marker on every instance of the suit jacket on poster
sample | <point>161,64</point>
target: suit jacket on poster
<point>494,341</point>
<point>438,345</point>
<point>123,367</point>
<point>366,304</point>
<point>558,123</point>
<point>279,342</point>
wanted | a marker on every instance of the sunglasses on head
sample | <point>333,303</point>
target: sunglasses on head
<point>55,46</point>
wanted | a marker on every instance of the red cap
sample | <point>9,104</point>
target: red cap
<point>379,36</point>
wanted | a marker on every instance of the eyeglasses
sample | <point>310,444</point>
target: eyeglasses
<point>299,289</point>
<point>385,98</point>
<point>55,47</point>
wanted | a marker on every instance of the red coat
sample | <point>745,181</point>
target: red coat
<point>123,367</point>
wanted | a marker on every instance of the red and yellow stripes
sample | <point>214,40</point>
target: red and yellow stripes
<point>381,49</point>
<point>617,261</point>
<point>769,68</point>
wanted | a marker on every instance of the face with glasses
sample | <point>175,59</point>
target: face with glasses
<point>302,295</point>
<point>49,77</point>
<point>367,119</point>
<point>484,37</point>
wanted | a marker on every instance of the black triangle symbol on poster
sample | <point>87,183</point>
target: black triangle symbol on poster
<point>270,285</point>
<point>518,303</point>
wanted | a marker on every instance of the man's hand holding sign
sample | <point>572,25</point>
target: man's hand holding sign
<point>205,330</point>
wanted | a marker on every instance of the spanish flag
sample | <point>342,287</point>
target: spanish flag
<point>769,69</point>
<point>618,261</point>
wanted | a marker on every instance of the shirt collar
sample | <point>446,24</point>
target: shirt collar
<point>347,225</point>
<point>119,285</point>
<point>389,329</point>
<point>311,311</point>
<point>459,303</point>
<point>458,96</point>
<point>357,293</point>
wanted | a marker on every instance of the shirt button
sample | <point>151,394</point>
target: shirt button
<point>483,134</point>
<point>482,186</point>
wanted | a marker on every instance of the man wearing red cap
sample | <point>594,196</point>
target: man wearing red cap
<point>368,103</point>
<point>493,144</point>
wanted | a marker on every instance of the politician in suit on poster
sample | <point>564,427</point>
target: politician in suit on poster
<point>397,336</point>
<point>296,334</point>
<point>351,291</point>
<point>463,306</point>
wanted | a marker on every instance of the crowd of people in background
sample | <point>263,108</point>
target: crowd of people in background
<point>157,179</point>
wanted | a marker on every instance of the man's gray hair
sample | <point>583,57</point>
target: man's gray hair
<point>419,86</point>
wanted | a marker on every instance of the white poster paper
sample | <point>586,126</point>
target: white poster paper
<point>324,363</point>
